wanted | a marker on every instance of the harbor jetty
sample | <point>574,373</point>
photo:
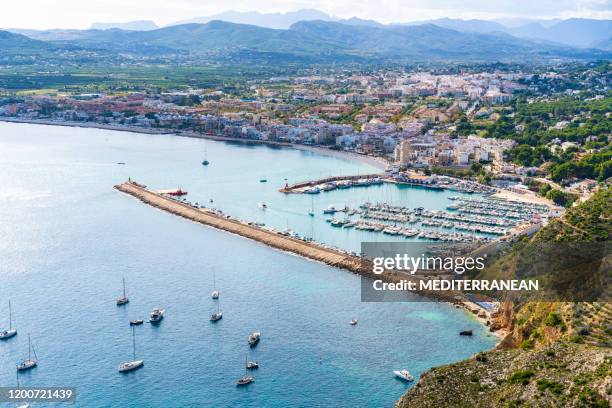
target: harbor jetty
<point>307,249</point>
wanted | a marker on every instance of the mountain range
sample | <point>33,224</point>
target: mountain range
<point>576,32</point>
<point>312,41</point>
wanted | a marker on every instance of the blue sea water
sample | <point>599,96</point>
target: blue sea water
<point>67,238</point>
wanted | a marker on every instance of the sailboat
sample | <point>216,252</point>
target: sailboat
<point>216,316</point>
<point>18,388</point>
<point>123,299</point>
<point>28,363</point>
<point>311,212</point>
<point>134,364</point>
<point>7,334</point>
<point>205,162</point>
<point>215,293</point>
<point>245,379</point>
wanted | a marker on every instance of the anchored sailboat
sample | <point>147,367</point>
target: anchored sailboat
<point>216,316</point>
<point>245,379</point>
<point>205,162</point>
<point>123,299</point>
<point>311,212</point>
<point>134,364</point>
<point>7,334</point>
<point>215,293</point>
<point>28,363</point>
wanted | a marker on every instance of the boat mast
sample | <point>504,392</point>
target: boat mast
<point>10,316</point>
<point>124,288</point>
<point>214,281</point>
<point>134,343</point>
<point>29,348</point>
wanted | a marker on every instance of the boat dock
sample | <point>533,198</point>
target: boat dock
<point>331,183</point>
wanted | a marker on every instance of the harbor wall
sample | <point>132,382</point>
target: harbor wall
<point>309,250</point>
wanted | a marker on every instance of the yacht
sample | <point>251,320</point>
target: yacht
<point>216,316</point>
<point>215,293</point>
<point>134,364</point>
<point>29,362</point>
<point>245,379</point>
<point>136,322</point>
<point>254,338</point>
<point>156,315</point>
<point>7,334</point>
<point>252,365</point>
<point>123,299</point>
<point>330,210</point>
<point>404,375</point>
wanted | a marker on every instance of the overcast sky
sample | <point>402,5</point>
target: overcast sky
<point>81,13</point>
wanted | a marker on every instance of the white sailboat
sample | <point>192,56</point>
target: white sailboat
<point>245,379</point>
<point>134,364</point>
<point>216,316</point>
<point>7,334</point>
<point>311,212</point>
<point>29,362</point>
<point>122,300</point>
<point>215,293</point>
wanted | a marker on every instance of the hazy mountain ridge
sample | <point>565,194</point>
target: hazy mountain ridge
<point>321,41</point>
<point>266,20</point>
<point>136,25</point>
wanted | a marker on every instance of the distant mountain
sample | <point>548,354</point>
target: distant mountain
<point>355,21</point>
<point>577,32</point>
<point>17,44</point>
<point>138,25</point>
<point>267,20</point>
<point>477,26</point>
<point>308,42</point>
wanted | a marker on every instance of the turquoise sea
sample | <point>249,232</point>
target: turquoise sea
<point>67,238</point>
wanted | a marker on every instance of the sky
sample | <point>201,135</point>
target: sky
<point>44,14</point>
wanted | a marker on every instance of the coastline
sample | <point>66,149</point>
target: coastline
<point>377,162</point>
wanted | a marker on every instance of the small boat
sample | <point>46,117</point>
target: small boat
<point>245,379</point>
<point>156,315</point>
<point>216,316</point>
<point>353,322</point>
<point>7,334</point>
<point>28,363</point>
<point>136,322</point>
<point>263,180</point>
<point>215,293</point>
<point>263,206</point>
<point>123,299</point>
<point>467,332</point>
<point>404,375</point>
<point>134,364</point>
<point>205,162</point>
<point>121,163</point>
<point>254,338</point>
<point>177,193</point>
<point>252,365</point>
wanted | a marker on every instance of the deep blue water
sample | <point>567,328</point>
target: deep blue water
<point>67,238</point>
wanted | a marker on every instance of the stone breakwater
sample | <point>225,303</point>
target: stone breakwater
<point>309,250</point>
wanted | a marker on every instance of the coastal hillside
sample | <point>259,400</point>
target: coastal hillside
<point>555,355</point>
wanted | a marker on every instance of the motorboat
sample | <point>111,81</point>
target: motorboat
<point>353,322</point>
<point>156,315</point>
<point>252,365</point>
<point>214,294</point>
<point>263,206</point>
<point>404,375</point>
<point>254,338</point>
<point>136,322</point>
